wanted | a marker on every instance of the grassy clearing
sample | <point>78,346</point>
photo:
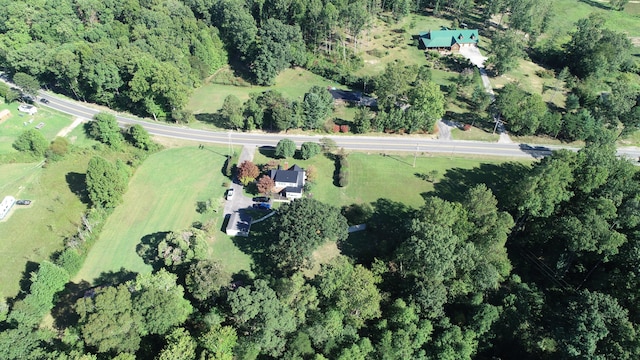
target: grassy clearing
<point>526,75</point>
<point>162,196</point>
<point>292,83</point>
<point>12,127</point>
<point>32,233</point>
<point>568,12</point>
<point>474,134</point>
<point>322,255</point>
<point>630,140</point>
<point>394,42</point>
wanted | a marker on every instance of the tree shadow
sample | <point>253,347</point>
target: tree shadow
<point>63,312</point>
<point>78,185</point>
<point>110,278</point>
<point>387,227</point>
<point>596,4</point>
<point>147,249</point>
<point>256,245</point>
<point>500,178</point>
<point>213,119</point>
<point>25,280</point>
<point>537,152</point>
<point>267,151</point>
<point>86,127</point>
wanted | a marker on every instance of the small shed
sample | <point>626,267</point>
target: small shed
<point>239,224</point>
<point>4,115</point>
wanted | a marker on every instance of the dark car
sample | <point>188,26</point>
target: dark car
<point>23,202</point>
<point>44,101</point>
<point>262,206</point>
<point>261,199</point>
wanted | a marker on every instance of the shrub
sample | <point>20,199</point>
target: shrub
<point>285,148</point>
<point>336,128</point>
<point>69,260</point>
<point>344,128</point>
<point>309,150</point>
<point>466,127</point>
<point>58,149</point>
<point>31,141</point>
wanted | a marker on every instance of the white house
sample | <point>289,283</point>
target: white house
<point>29,109</point>
<point>289,182</point>
<point>6,205</point>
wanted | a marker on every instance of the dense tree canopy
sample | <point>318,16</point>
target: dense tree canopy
<point>106,182</point>
<point>301,227</point>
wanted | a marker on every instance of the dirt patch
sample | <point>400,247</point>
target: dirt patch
<point>65,131</point>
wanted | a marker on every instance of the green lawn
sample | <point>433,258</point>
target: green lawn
<point>474,134</point>
<point>12,127</point>
<point>373,176</point>
<point>292,83</point>
<point>162,196</point>
<point>33,233</point>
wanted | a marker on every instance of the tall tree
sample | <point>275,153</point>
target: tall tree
<point>262,318</point>
<point>508,49</point>
<point>300,227</point>
<point>427,98</point>
<point>105,129</point>
<point>594,50</point>
<point>317,105</point>
<point>108,321</point>
<point>279,47</point>
<point>29,84</point>
<point>231,111</point>
<point>106,182</point>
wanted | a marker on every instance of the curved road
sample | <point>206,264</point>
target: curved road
<point>404,143</point>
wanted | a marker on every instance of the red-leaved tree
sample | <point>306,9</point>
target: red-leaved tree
<point>247,172</point>
<point>265,185</point>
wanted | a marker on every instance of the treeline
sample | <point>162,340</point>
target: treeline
<point>408,102</point>
<point>141,56</point>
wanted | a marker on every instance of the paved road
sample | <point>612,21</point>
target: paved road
<point>405,143</point>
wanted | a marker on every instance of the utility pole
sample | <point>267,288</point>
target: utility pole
<point>416,154</point>
<point>229,133</point>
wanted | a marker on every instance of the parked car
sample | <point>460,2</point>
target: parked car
<point>23,202</point>
<point>229,194</point>
<point>262,206</point>
<point>261,199</point>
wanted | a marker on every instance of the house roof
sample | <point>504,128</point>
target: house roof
<point>290,176</point>
<point>293,190</point>
<point>446,38</point>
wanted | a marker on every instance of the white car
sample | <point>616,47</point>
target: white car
<point>229,194</point>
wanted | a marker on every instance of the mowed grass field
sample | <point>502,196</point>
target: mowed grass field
<point>32,233</point>
<point>162,196</point>
<point>292,83</point>
<point>373,176</point>
<point>11,128</point>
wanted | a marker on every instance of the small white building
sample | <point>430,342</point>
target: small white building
<point>6,205</point>
<point>29,109</point>
<point>239,224</point>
